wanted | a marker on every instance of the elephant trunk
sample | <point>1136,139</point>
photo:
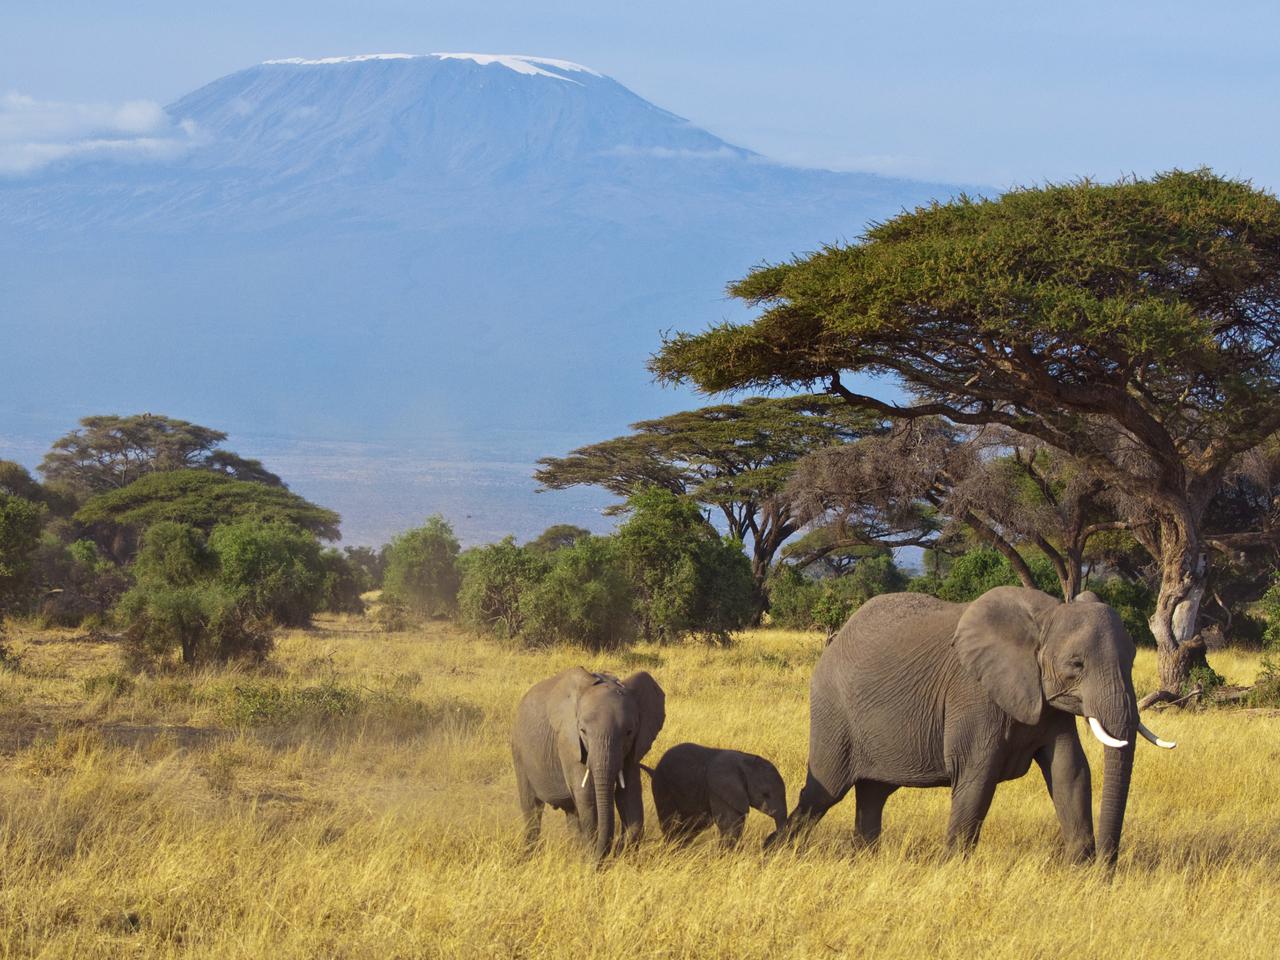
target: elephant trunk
<point>1120,720</point>
<point>604,766</point>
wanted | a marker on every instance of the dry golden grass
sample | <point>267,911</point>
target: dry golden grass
<point>374,816</point>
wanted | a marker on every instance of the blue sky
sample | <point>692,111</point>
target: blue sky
<point>987,93</point>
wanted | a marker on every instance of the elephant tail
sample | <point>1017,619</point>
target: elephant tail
<point>648,770</point>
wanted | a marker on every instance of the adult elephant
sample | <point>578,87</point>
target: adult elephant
<point>578,741</point>
<point>917,692</point>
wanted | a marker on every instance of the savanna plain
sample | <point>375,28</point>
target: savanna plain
<point>356,799</point>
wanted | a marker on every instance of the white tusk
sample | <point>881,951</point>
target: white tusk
<point>622,781</point>
<point>585,774</point>
<point>1146,732</point>
<point>1102,735</point>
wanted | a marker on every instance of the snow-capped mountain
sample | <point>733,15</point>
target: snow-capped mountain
<point>393,246</point>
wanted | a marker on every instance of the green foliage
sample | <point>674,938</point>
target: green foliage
<point>802,603</point>
<point>111,452</point>
<point>204,499</point>
<point>342,583</point>
<point>20,523</point>
<point>81,583</point>
<point>687,579</point>
<point>584,599</point>
<point>735,458</point>
<point>370,563</point>
<point>273,569</point>
<point>494,579</point>
<point>179,603</point>
<point>1135,603</point>
<point>202,620</point>
<point>174,554</point>
<point>1266,687</point>
<point>557,537</point>
<point>422,569</point>
<point>973,573</point>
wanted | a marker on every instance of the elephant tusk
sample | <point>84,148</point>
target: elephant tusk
<point>585,774</point>
<point>622,781</point>
<point>1105,738</point>
<point>1146,732</point>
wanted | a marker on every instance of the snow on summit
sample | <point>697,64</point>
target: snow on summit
<point>531,66</point>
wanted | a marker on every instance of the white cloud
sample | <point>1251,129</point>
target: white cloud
<point>35,133</point>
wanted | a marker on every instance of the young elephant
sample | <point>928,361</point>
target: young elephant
<point>696,786</point>
<point>577,745</point>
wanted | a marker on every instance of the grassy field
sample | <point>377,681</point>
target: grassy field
<point>357,800</point>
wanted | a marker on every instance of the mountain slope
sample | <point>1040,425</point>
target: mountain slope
<point>447,248</point>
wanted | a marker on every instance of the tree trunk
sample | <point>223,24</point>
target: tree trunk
<point>1182,583</point>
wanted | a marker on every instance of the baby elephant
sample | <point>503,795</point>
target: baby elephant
<point>696,786</point>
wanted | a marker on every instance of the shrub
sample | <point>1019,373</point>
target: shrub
<point>791,597</point>
<point>88,583</point>
<point>494,579</point>
<point>342,583</point>
<point>273,569</point>
<point>828,602</point>
<point>584,599</point>
<point>422,569</point>
<point>20,522</point>
<point>686,577</point>
<point>1266,688</point>
<point>179,603</point>
<point>202,620</point>
<point>974,572</point>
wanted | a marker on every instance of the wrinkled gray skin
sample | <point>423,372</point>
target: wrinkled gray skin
<point>917,692</point>
<point>577,722</point>
<point>696,786</point>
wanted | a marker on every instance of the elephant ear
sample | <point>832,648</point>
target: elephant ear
<point>997,639</point>
<point>727,780</point>
<point>562,708</point>
<point>653,711</point>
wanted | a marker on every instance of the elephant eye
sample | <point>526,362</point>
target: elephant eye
<point>1076,663</point>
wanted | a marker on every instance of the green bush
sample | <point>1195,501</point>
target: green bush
<point>688,580</point>
<point>86,583</point>
<point>178,603</point>
<point>974,572</point>
<point>1133,601</point>
<point>1266,687</point>
<point>495,577</point>
<point>20,523</point>
<point>422,569</point>
<point>804,604</point>
<point>203,621</point>
<point>342,583</point>
<point>792,596</point>
<point>584,599</point>
<point>274,570</point>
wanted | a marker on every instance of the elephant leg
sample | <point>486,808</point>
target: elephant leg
<point>1066,774</point>
<point>728,821</point>
<point>870,797</point>
<point>630,804</point>
<point>531,807</point>
<point>815,800</point>
<point>970,800</point>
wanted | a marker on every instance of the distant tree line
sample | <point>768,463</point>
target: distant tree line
<point>146,523</point>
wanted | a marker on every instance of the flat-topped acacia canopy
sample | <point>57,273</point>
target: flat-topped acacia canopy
<point>1133,325</point>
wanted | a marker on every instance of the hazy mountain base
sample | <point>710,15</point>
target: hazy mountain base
<point>359,802</point>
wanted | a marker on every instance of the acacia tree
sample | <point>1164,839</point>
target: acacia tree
<point>735,458</point>
<point>1132,326</point>
<point>110,452</point>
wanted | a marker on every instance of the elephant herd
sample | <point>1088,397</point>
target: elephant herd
<point>912,692</point>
